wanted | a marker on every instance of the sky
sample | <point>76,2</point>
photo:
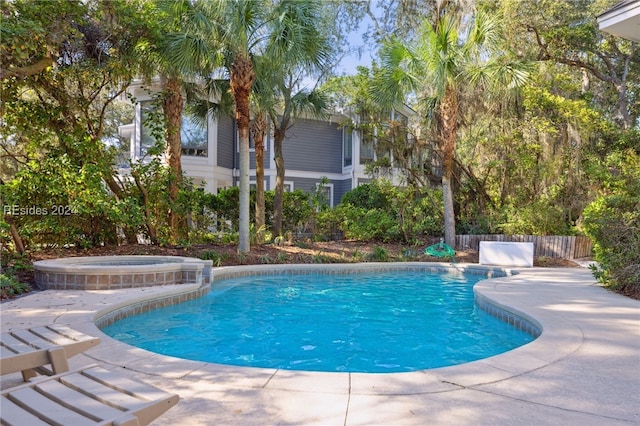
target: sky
<point>350,62</point>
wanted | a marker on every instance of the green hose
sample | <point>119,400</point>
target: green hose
<point>441,250</point>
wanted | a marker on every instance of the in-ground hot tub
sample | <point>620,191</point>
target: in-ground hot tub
<point>113,272</point>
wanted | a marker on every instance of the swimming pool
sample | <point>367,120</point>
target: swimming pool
<point>354,322</point>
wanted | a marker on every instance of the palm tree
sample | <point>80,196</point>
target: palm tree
<point>313,104</point>
<point>262,101</point>
<point>442,63</point>
<point>284,31</point>
<point>164,54</point>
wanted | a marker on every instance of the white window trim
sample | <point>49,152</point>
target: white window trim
<point>254,183</point>
<point>265,144</point>
<point>330,186</point>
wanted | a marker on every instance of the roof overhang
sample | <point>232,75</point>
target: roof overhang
<point>622,20</point>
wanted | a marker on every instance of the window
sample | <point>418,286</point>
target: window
<point>147,141</point>
<point>366,151</point>
<point>252,142</point>
<point>347,147</point>
<point>193,133</point>
<point>367,143</point>
<point>253,185</point>
<point>324,195</point>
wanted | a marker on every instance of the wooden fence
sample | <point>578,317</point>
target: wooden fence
<point>562,247</point>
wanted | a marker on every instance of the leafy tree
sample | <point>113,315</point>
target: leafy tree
<point>567,34</point>
<point>378,211</point>
<point>285,32</point>
<point>303,102</point>
<point>390,132</point>
<point>175,58</point>
<point>443,62</point>
<point>57,113</point>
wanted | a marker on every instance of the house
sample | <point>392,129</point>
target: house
<point>313,149</point>
<point>622,20</point>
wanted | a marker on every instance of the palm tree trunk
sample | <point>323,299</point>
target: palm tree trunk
<point>449,128</point>
<point>242,76</point>
<point>259,130</point>
<point>278,200</point>
<point>172,107</point>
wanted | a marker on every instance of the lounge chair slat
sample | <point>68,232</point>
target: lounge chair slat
<point>32,339</point>
<point>14,344</point>
<point>47,409</point>
<point>67,331</point>
<point>51,336</point>
<point>57,400</point>
<point>33,349</point>
<point>6,352</point>
<point>136,389</point>
<point>78,401</point>
<point>105,393</point>
<point>14,415</point>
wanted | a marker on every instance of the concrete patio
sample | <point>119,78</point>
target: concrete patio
<point>583,370</point>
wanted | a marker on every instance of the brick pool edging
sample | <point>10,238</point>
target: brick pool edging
<point>114,272</point>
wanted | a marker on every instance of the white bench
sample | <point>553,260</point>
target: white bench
<point>503,253</point>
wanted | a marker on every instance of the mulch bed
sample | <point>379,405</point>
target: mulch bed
<point>298,252</point>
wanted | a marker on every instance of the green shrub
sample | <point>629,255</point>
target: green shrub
<point>10,286</point>
<point>379,211</point>
<point>541,217</point>
<point>613,223</point>
<point>368,196</point>
<point>380,254</point>
<point>212,255</point>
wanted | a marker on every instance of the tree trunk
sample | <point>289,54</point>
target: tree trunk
<point>242,76</point>
<point>278,200</point>
<point>15,235</point>
<point>259,130</point>
<point>151,230</point>
<point>448,117</point>
<point>449,215</point>
<point>172,106</point>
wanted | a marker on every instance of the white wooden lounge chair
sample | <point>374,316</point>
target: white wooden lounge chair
<point>31,350</point>
<point>87,396</point>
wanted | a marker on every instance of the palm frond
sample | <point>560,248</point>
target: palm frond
<point>185,53</point>
<point>314,103</point>
<point>398,74</point>
<point>295,37</point>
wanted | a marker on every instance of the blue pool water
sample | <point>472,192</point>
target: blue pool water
<point>360,322</point>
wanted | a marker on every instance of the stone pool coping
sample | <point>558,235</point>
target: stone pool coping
<point>124,271</point>
<point>590,342</point>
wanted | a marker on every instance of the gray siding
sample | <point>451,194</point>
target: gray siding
<point>226,148</point>
<point>304,184</point>
<point>314,146</point>
<point>339,189</point>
